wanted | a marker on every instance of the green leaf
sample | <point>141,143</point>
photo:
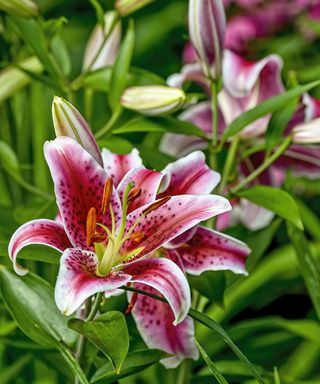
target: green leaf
<point>269,106</point>
<point>276,376</point>
<point>13,79</point>
<point>34,252</point>
<point>32,33</point>
<point>216,373</point>
<point>210,284</point>
<point>275,200</point>
<point>116,144</point>
<point>310,219</point>
<point>109,333</point>
<point>160,124</point>
<point>309,265</point>
<point>135,362</point>
<point>8,159</point>
<point>99,11</point>
<point>30,302</point>
<point>216,328</point>
<point>121,67</point>
<point>279,122</point>
<point>11,374</point>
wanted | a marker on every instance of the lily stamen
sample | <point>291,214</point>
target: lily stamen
<point>107,194</point>
<point>91,225</point>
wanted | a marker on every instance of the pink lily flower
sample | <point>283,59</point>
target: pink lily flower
<point>195,251</point>
<point>246,84</point>
<point>108,235</point>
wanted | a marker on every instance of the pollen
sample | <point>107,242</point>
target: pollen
<point>137,236</point>
<point>91,225</point>
<point>107,193</point>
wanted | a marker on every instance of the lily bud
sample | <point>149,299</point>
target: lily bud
<point>26,8</point>
<point>207,24</point>
<point>153,99</point>
<point>307,133</point>
<point>103,44</point>
<point>125,7</point>
<point>68,121</point>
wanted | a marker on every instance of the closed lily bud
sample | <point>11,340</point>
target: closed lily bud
<point>125,7</point>
<point>207,24</point>
<point>103,44</point>
<point>26,8</point>
<point>307,133</point>
<point>68,121</point>
<point>153,99</point>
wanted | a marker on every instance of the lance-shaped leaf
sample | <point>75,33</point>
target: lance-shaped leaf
<point>26,8</point>
<point>109,333</point>
<point>68,121</point>
<point>207,24</point>
<point>275,200</point>
<point>153,99</point>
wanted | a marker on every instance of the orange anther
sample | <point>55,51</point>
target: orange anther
<point>107,193</point>
<point>131,304</point>
<point>91,224</point>
<point>156,205</point>
<point>137,236</point>
<point>134,194</point>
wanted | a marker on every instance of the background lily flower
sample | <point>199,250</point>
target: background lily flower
<point>108,239</point>
<point>207,24</point>
<point>103,44</point>
<point>153,99</point>
<point>26,8</point>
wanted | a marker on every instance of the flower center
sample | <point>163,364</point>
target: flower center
<point>108,242</point>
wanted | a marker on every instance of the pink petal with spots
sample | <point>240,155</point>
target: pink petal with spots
<point>79,181</point>
<point>168,279</point>
<point>77,280</point>
<point>117,166</point>
<point>209,250</point>
<point>191,175</point>
<point>154,321</point>
<point>148,181</point>
<point>183,238</point>
<point>46,232</point>
<point>170,220</point>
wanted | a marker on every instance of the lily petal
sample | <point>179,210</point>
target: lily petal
<point>191,175</point>
<point>79,181</point>
<point>147,181</point>
<point>170,220</point>
<point>240,75</point>
<point>77,280</point>
<point>154,321</point>
<point>210,250</point>
<point>117,166</point>
<point>46,232</point>
<point>168,279</point>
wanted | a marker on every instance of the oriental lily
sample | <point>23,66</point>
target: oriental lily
<point>195,251</point>
<point>108,235</point>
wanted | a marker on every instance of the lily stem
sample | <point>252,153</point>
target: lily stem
<point>229,163</point>
<point>266,164</point>
<point>95,307</point>
<point>107,127</point>
<point>214,107</point>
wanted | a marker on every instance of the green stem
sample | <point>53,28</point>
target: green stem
<point>214,107</point>
<point>282,148</point>
<point>229,163</point>
<point>184,372</point>
<point>114,118</point>
<point>95,307</point>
